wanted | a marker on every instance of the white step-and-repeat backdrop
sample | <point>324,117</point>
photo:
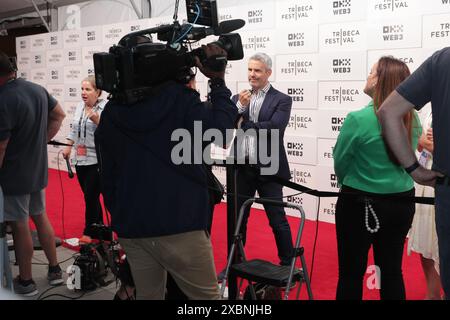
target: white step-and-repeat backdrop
<point>322,51</point>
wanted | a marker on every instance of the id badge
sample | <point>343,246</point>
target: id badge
<point>81,152</point>
<point>424,156</point>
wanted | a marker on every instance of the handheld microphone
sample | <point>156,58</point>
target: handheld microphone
<point>69,169</point>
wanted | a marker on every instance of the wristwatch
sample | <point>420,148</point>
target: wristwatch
<point>412,167</point>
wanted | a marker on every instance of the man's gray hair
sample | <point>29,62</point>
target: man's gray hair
<point>264,58</point>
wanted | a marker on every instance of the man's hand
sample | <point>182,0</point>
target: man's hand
<point>94,116</point>
<point>425,177</point>
<point>244,98</point>
<point>430,134</point>
<point>211,50</point>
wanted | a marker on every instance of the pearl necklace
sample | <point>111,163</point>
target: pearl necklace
<point>368,207</point>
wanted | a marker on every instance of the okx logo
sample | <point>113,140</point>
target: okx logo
<point>342,7</point>
<point>342,66</point>
<point>393,32</point>
<point>297,94</point>
<point>336,123</point>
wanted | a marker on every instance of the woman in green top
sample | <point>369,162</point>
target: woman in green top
<point>364,166</point>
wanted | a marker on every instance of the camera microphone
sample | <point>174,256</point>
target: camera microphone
<point>69,169</point>
<point>228,26</point>
<point>198,33</point>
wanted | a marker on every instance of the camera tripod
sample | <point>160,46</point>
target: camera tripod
<point>5,268</point>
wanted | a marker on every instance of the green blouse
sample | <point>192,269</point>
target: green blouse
<point>360,157</point>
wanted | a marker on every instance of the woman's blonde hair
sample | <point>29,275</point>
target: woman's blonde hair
<point>91,80</point>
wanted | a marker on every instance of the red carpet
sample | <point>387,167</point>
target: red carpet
<point>260,241</point>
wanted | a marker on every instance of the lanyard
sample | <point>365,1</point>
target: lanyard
<point>83,121</point>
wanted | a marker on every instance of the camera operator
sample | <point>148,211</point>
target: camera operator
<point>160,210</point>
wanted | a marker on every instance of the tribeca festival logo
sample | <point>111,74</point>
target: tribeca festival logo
<point>343,37</point>
<point>54,57</point>
<point>296,39</point>
<point>255,16</point>
<point>57,92</point>
<point>297,67</point>
<point>342,95</point>
<point>297,94</point>
<point>256,43</point>
<point>39,76</point>
<point>393,32</point>
<point>443,32</point>
<point>300,176</point>
<point>38,43</point>
<point>297,122</point>
<point>225,16</point>
<point>264,151</point>
<point>342,7</point>
<point>297,12</point>
<point>336,123</point>
<point>341,66</point>
<point>391,5</point>
<point>330,210</point>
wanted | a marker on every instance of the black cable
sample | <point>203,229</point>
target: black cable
<point>315,243</point>
<point>62,199</point>
<point>59,262</point>
<point>63,296</point>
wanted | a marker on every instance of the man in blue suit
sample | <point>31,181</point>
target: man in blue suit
<point>264,107</point>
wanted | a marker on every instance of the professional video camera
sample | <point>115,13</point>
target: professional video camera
<point>97,258</point>
<point>133,68</point>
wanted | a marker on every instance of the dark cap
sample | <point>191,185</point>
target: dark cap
<point>6,65</point>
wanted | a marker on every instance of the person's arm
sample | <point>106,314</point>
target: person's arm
<point>279,119</point>
<point>3,146</point>
<point>391,115</point>
<point>55,119</point>
<point>344,150</point>
<point>68,149</point>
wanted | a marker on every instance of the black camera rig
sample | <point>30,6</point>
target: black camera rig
<point>136,65</point>
<point>97,258</point>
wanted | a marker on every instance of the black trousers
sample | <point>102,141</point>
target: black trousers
<point>248,182</point>
<point>354,242</point>
<point>89,179</point>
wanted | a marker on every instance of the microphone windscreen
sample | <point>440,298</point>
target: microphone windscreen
<point>231,25</point>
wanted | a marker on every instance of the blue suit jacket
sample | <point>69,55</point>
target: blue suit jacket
<point>274,114</point>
